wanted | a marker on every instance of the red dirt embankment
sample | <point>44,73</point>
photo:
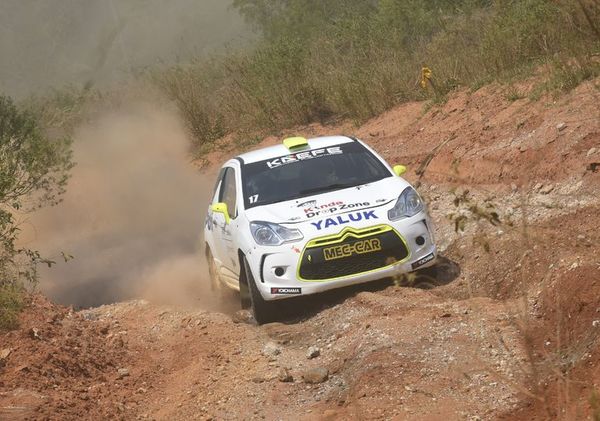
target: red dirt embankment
<point>511,332</point>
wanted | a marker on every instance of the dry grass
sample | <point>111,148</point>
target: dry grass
<point>363,64</point>
<point>11,303</point>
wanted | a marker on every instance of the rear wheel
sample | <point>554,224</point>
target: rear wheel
<point>262,310</point>
<point>215,282</point>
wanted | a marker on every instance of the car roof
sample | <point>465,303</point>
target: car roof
<point>276,151</point>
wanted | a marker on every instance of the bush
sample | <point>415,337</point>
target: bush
<point>33,173</point>
<point>355,59</point>
<point>11,303</point>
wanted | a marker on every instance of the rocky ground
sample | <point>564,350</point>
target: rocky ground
<point>510,331</point>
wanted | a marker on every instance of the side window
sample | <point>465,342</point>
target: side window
<point>214,197</point>
<point>227,194</point>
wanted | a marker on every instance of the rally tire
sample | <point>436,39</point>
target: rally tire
<point>262,310</point>
<point>215,283</point>
<point>245,299</point>
<point>427,278</point>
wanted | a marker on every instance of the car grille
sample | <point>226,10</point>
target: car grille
<point>351,252</point>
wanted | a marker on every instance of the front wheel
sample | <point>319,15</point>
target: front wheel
<point>262,310</point>
<point>427,278</point>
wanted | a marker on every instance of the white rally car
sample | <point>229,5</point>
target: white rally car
<point>308,216</point>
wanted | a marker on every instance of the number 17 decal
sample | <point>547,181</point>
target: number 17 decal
<point>253,198</point>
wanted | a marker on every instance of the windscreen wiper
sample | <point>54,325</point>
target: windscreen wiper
<point>336,186</point>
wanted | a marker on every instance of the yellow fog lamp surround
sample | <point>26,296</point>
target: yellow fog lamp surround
<point>295,142</point>
<point>399,170</point>
<point>222,208</point>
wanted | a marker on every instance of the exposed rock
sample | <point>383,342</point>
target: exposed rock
<point>330,414</point>
<point>315,375</point>
<point>4,355</point>
<point>271,350</point>
<point>123,372</point>
<point>34,333</point>
<point>592,151</point>
<point>242,316</point>
<point>313,352</point>
<point>86,316</point>
<point>284,375</point>
<point>561,126</point>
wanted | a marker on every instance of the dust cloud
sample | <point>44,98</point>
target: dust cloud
<point>132,216</point>
<point>46,44</point>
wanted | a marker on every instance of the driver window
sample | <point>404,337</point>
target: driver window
<point>215,197</point>
<point>227,194</point>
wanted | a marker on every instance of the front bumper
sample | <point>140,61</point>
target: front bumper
<point>280,272</point>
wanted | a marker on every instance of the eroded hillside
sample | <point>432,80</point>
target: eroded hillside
<point>510,330</point>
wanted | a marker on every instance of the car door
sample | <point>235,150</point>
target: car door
<point>210,222</point>
<point>225,233</point>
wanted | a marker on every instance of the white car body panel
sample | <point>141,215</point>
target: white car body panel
<point>316,216</point>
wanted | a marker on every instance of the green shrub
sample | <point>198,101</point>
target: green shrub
<point>33,173</point>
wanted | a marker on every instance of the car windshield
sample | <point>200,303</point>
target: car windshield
<point>310,172</point>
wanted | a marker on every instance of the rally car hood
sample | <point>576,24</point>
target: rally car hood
<point>383,193</point>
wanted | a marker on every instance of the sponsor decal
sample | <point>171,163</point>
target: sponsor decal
<point>302,156</point>
<point>289,291</point>
<point>296,249</point>
<point>314,208</point>
<point>308,204</point>
<point>346,250</point>
<point>345,219</point>
<point>332,207</point>
<point>422,261</point>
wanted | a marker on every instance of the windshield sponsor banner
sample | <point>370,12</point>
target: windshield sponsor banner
<point>345,219</point>
<point>288,291</point>
<point>302,156</point>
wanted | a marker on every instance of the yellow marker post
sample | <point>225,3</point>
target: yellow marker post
<point>425,76</point>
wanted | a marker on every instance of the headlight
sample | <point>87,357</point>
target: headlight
<point>409,204</point>
<point>269,234</point>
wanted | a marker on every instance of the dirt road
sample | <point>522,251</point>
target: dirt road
<point>509,332</point>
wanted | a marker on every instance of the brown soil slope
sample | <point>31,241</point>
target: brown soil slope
<point>511,330</point>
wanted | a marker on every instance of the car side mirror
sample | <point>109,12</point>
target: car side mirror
<point>222,208</point>
<point>399,170</point>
